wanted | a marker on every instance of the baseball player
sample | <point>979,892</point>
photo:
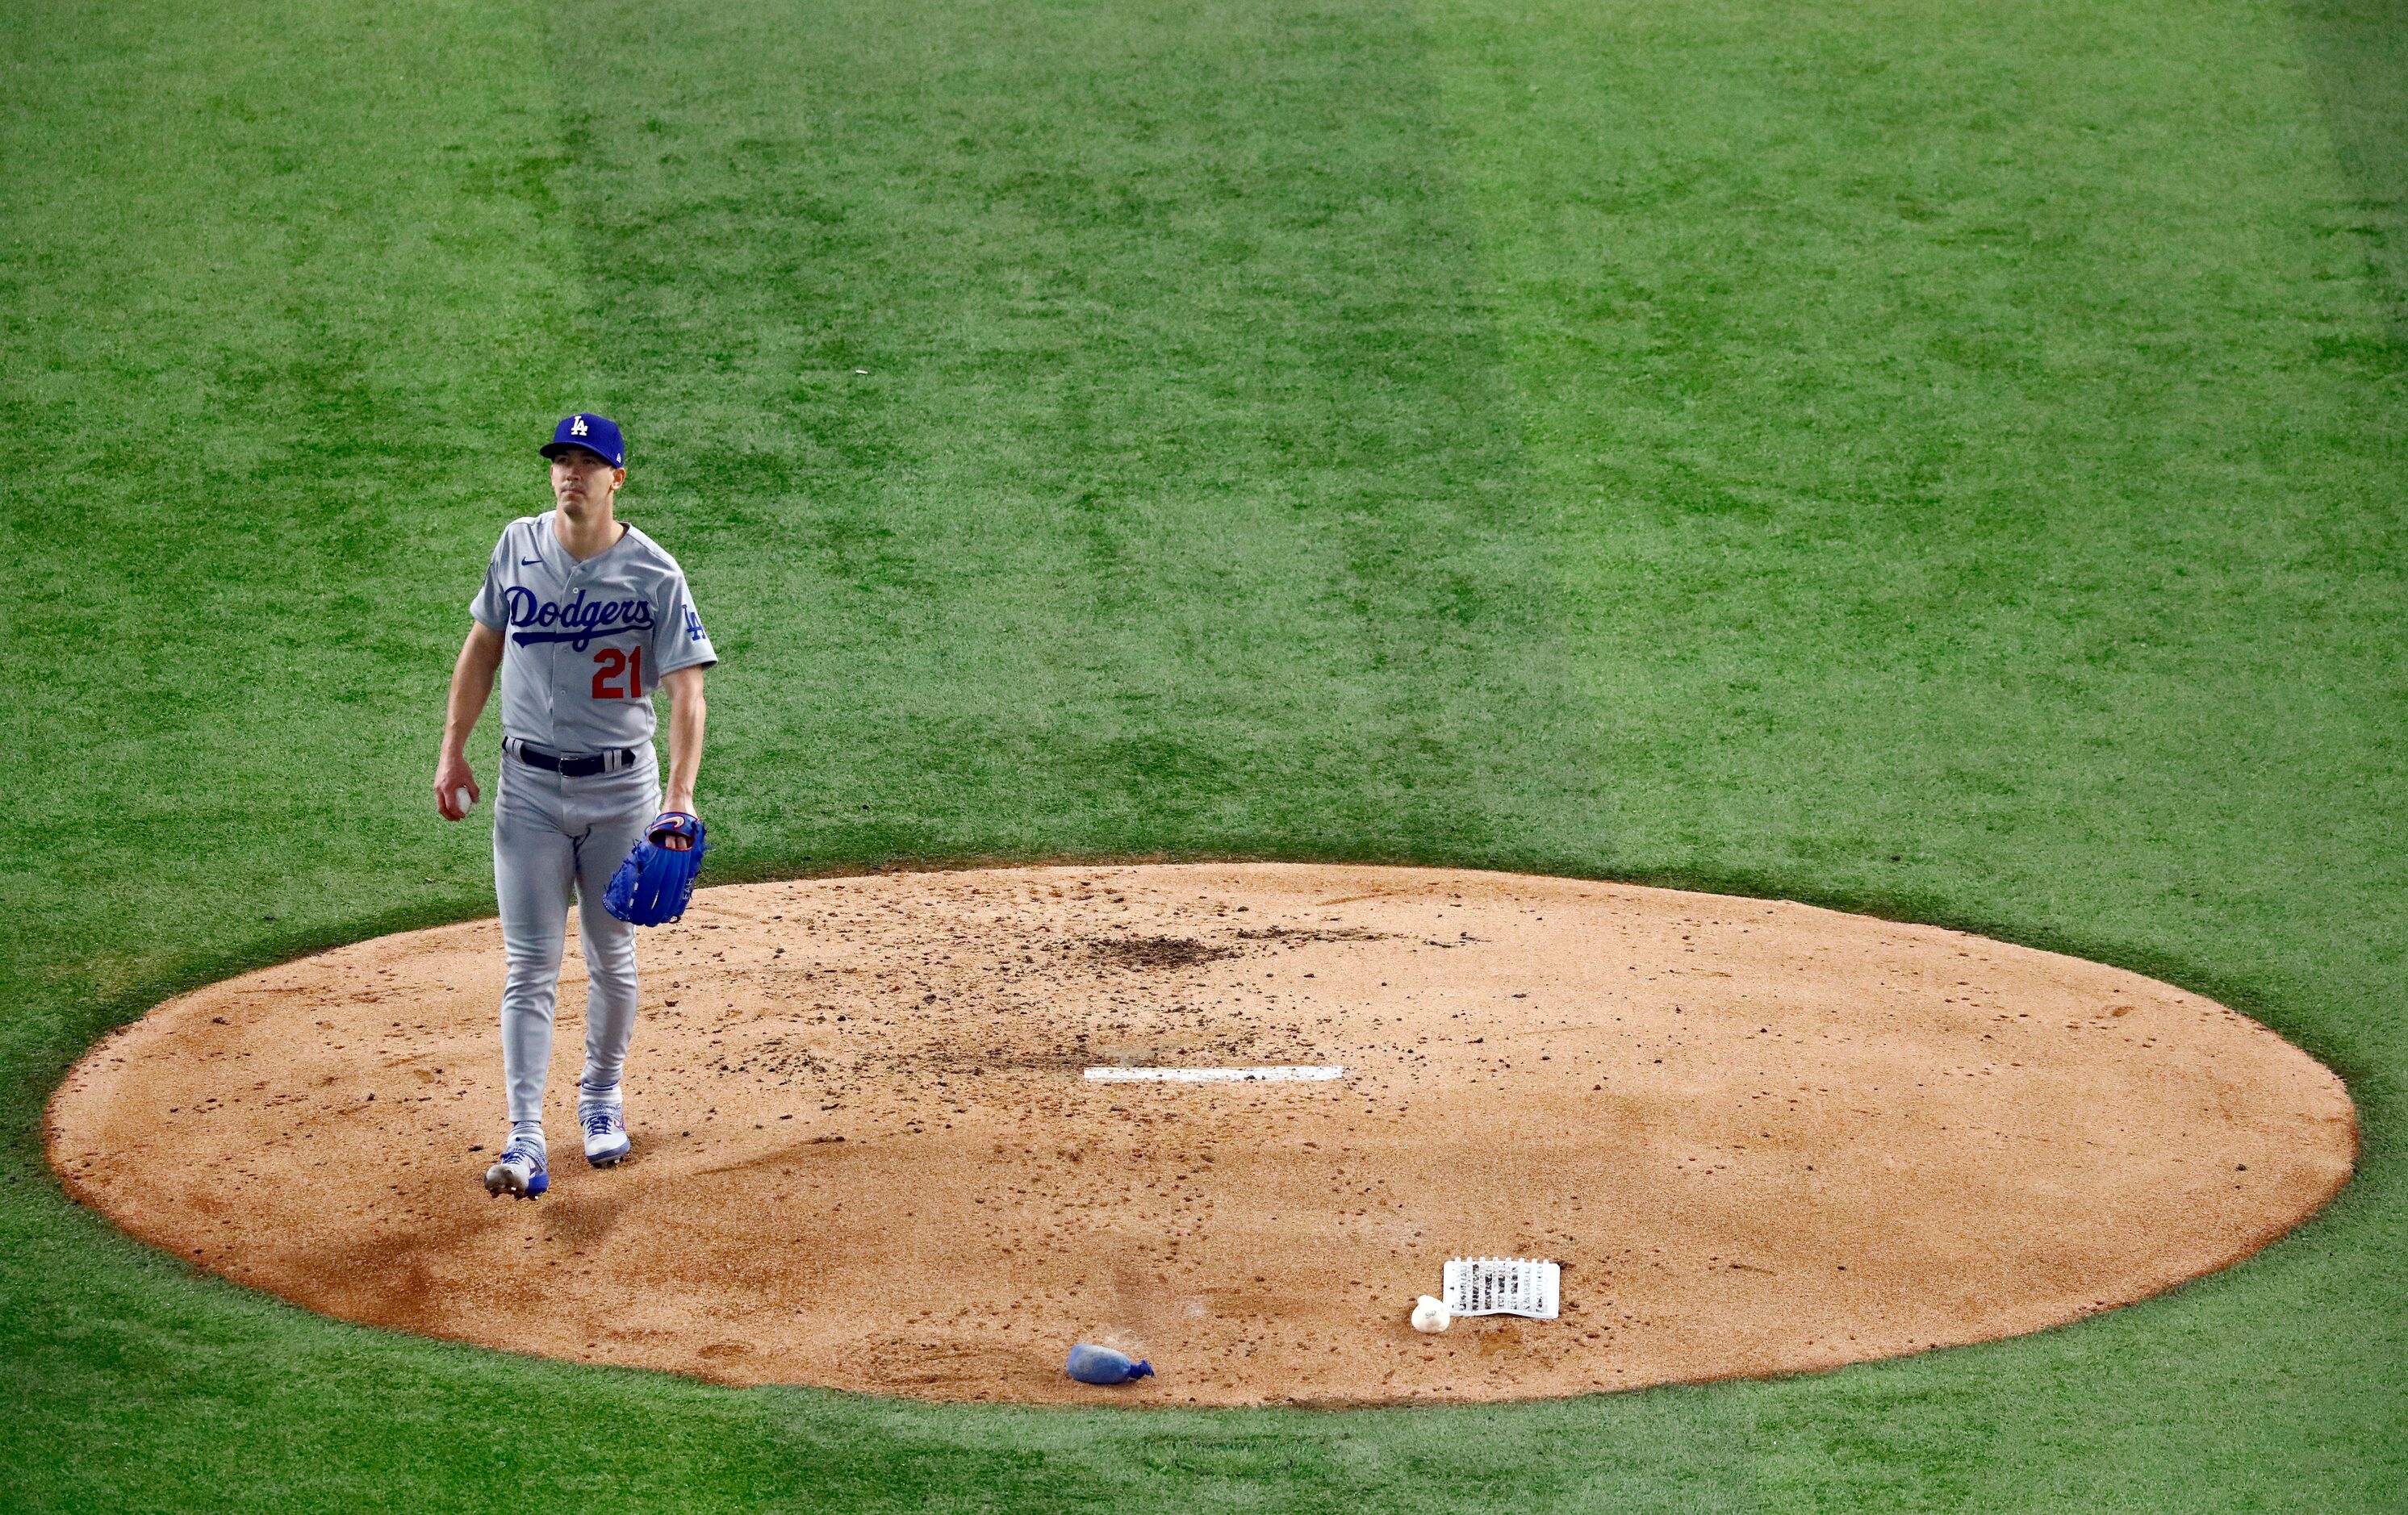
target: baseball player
<point>583,616</point>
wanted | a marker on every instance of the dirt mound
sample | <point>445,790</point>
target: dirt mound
<point>1761,1137</point>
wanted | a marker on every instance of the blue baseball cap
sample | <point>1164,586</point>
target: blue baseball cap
<point>598,435</point>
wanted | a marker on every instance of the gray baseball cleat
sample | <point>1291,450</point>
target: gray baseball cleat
<point>521,1172</point>
<point>605,1135</point>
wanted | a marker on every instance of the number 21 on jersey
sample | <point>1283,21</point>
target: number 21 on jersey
<point>609,664</point>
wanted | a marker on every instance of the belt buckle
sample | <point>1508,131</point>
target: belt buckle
<point>605,760</point>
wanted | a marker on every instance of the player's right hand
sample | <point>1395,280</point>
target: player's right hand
<point>452,776</point>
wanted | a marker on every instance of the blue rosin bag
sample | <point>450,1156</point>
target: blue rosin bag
<point>1090,1363</point>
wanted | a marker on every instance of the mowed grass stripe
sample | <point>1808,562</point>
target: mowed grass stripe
<point>1980,469</point>
<point>1079,422</point>
<point>281,302</point>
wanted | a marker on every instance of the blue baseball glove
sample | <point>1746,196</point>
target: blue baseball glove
<point>656,878</point>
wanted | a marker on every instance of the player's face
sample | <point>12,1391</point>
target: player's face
<point>582,481</point>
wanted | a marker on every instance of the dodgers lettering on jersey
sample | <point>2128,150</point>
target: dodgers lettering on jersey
<point>578,621</point>
<point>585,644</point>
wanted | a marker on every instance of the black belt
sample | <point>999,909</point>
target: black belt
<point>585,764</point>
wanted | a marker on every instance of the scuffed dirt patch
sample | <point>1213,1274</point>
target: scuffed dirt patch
<point>1159,951</point>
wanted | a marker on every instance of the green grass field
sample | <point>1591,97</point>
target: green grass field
<point>1942,460</point>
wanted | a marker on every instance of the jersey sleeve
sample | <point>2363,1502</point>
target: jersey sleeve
<point>487,607</point>
<point>679,641</point>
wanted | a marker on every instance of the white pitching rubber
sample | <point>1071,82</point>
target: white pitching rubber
<point>1289,1074</point>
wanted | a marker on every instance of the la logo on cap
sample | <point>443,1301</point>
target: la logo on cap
<point>598,435</point>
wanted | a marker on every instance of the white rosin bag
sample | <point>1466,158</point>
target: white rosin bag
<point>1530,1286</point>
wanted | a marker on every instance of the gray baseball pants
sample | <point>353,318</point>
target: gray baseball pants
<point>553,835</point>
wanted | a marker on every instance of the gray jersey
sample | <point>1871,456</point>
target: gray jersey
<point>585,644</point>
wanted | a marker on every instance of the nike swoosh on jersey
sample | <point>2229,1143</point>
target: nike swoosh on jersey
<point>530,562</point>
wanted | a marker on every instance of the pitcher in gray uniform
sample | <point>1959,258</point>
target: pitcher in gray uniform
<point>585,617</point>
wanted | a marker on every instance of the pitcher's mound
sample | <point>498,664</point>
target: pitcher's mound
<point>1760,1138</point>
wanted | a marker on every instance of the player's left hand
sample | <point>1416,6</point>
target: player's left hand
<point>663,834</point>
<point>656,878</point>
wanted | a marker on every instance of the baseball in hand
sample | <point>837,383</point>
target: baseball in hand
<point>463,800</point>
<point>1432,1315</point>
